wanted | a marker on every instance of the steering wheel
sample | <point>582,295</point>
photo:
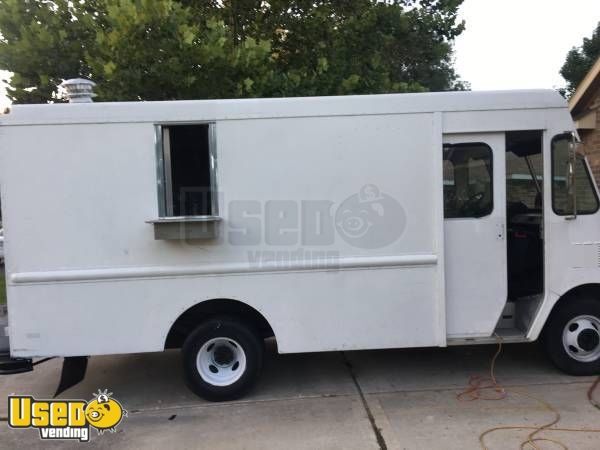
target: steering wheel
<point>472,202</point>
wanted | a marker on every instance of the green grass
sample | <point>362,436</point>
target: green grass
<point>2,287</point>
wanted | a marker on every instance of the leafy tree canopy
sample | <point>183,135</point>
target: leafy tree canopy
<point>579,61</point>
<point>191,49</point>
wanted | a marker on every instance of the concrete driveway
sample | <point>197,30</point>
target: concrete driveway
<point>394,399</point>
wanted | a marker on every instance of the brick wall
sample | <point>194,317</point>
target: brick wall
<point>591,140</point>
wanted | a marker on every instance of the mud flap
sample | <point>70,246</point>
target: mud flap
<point>73,371</point>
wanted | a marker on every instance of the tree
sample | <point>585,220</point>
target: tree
<point>184,49</point>
<point>160,50</point>
<point>579,61</point>
<point>44,42</point>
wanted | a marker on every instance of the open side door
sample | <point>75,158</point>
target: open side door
<point>474,232</point>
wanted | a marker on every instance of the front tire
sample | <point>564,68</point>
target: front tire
<point>222,359</point>
<point>572,336</point>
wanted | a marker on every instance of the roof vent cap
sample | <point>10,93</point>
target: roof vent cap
<point>78,90</point>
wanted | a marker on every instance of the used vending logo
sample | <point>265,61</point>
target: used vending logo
<point>370,219</point>
<point>66,419</point>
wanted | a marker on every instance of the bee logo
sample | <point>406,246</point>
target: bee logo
<point>104,413</point>
<point>370,219</point>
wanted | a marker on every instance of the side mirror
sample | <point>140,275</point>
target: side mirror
<point>570,178</point>
<point>571,188</point>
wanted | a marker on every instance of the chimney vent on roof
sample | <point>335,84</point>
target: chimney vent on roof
<point>78,90</point>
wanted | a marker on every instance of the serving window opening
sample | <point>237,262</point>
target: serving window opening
<point>187,171</point>
<point>186,182</point>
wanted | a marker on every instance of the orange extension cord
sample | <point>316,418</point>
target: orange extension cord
<point>478,385</point>
<point>590,393</point>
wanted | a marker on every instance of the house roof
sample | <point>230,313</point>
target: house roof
<point>585,92</point>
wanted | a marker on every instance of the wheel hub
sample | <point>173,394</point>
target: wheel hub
<point>223,356</point>
<point>588,340</point>
<point>221,361</point>
<point>581,338</point>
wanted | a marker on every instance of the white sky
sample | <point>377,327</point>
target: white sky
<point>521,44</point>
<point>513,44</point>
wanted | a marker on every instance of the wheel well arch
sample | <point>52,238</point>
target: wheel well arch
<point>582,290</point>
<point>588,289</point>
<point>191,317</point>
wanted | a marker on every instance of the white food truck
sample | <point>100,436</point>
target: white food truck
<point>328,223</point>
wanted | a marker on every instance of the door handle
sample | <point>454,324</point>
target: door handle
<point>500,231</point>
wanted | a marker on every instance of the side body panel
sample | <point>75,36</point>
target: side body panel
<point>85,275</point>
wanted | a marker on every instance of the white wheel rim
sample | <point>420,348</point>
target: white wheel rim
<point>221,361</point>
<point>581,338</point>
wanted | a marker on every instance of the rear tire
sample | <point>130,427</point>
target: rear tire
<point>572,336</point>
<point>222,359</point>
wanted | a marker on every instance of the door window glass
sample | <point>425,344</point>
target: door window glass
<point>468,179</point>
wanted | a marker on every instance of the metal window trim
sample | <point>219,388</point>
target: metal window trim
<point>166,144</point>
<point>212,152</point>
<point>164,171</point>
<point>188,219</point>
<point>160,170</point>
